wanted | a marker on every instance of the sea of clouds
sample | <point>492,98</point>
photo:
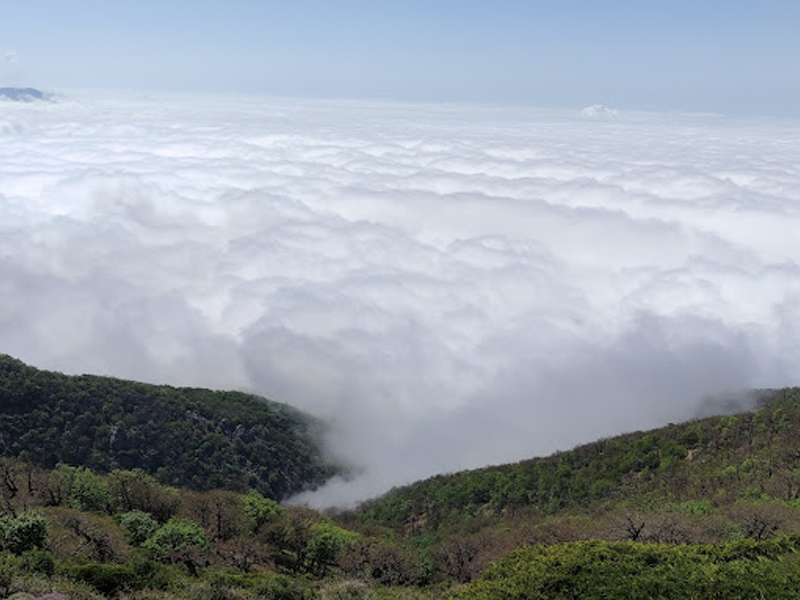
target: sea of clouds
<point>450,286</point>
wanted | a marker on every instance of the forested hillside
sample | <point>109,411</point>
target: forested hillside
<point>71,534</point>
<point>743,457</point>
<point>704,509</point>
<point>195,438</point>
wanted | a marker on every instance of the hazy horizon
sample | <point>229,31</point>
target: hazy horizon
<point>735,58</point>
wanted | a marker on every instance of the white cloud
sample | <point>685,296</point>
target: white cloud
<point>450,286</point>
<point>598,111</point>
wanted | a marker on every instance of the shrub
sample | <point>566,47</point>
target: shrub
<point>702,507</point>
<point>148,573</point>
<point>107,578</point>
<point>38,561</point>
<point>24,532</point>
<point>639,571</point>
<point>281,587</point>
<point>9,565</point>
<point>347,590</point>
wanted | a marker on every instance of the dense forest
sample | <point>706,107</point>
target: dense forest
<point>185,437</point>
<point>704,509</point>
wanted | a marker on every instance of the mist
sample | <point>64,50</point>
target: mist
<point>449,286</point>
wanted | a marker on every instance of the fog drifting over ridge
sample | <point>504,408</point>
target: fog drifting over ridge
<point>451,286</point>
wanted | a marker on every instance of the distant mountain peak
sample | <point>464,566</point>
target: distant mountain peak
<point>23,94</point>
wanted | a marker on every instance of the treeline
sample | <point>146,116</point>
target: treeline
<point>749,456</point>
<point>196,438</point>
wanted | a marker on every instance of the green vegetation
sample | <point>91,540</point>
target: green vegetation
<point>706,509</point>
<point>139,526</point>
<point>261,510</point>
<point>624,570</point>
<point>23,532</point>
<point>747,457</point>
<point>123,535</point>
<point>183,437</point>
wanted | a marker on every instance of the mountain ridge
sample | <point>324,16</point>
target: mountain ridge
<point>730,456</point>
<point>29,94</point>
<point>190,437</point>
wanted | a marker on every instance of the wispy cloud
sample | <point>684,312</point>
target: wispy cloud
<point>451,286</point>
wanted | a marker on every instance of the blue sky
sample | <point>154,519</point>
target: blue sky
<point>735,57</point>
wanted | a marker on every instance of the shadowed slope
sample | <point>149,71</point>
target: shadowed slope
<point>191,437</point>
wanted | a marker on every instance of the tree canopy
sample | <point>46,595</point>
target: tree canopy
<point>189,437</point>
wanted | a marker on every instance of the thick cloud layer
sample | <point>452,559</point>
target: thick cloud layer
<point>451,286</point>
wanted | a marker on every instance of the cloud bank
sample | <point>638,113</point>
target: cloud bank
<point>450,286</point>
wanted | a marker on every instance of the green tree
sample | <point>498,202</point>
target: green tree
<point>179,541</point>
<point>261,510</point>
<point>136,490</point>
<point>327,541</point>
<point>138,525</point>
<point>177,534</point>
<point>85,490</point>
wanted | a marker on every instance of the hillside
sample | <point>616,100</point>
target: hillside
<point>749,456</point>
<point>704,509</point>
<point>189,437</point>
<point>74,532</point>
